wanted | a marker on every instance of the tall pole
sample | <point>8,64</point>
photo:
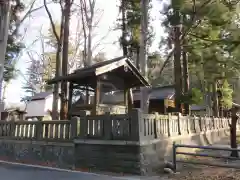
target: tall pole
<point>124,28</point>
<point>185,71</point>
<point>185,78</point>
<point>177,55</point>
<point>125,51</point>
<point>64,85</point>
<point>143,53</point>
<point>5,7</point>
<point>143,37</point>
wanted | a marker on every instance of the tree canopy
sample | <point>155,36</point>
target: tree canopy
<point>210,36</point>
<point>13,45</point>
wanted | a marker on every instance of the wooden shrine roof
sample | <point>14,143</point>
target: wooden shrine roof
<point>113,71</point>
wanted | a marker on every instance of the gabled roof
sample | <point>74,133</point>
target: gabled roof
<point>122,67</point>
<point>41,95</point>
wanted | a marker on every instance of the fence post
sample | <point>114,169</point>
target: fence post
<point>179,125</point>
<point>214,124</point>
<point>13,129</point>
<point>194,124</point>
<point>200,124</point>
<point>221,122</point>
<point>168,123</point>
<point>107,126</point>
<point>205,123</point>
<point>83,124</point>
<point>188,124</point>
<point>155,125</point>
<point>39,130</point>
<point>74,123</point>
<point>174,157</point>
<point>135,124</point>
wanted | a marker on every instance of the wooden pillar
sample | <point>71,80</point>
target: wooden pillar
<point>130,99</point>
<point>126,98</point>
<point>165,105</point>
<point>87,95</point>
<point>97,96</point>
<point>70,95</point>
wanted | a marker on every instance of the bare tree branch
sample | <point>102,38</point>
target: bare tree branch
<point>51,21</point>
<point>27,14</point>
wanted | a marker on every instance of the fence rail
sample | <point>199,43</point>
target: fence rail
<point>50,130</point>
<point>133,126</point>
<point>177,146</point>
<point>158,126</point>
<point>107,126</point>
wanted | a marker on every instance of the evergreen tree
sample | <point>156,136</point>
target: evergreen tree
<point>211,35</point>
<point>211,40</point>
<point>13,45</point>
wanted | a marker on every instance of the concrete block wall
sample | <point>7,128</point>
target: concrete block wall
<point>156,152</point>
<point>142,158</point>
<point>144,154</point>
<point>54,154</point>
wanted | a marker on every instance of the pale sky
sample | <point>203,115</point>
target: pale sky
<point>40,20</point>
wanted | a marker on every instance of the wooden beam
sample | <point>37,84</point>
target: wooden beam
<point>87,95</point>
<point>109,67</point>
<point>70,95</point>
<point>97,96</point>
<point>111,77</point>
<point>83,88</point>
<point>126,97</point>
<point>130,99</point>
<point>138,77</point>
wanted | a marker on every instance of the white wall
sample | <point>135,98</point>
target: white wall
<point>48,103</point>
<point>40,107</point>
<point>36,108</point>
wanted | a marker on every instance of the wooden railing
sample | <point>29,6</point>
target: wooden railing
<point>134,126</point>
<point>38,130</point>
<point>157,126</point>
<point>107,126</point>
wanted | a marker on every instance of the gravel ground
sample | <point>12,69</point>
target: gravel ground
<point>199,172</point>
<point>208,173</point>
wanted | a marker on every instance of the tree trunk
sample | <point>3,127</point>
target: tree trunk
<point>177,61</point>
<point>64,84</point>
<point>58,61</point>
<point>3,43</point>
<point>144,103</point>
<point>233,133</point>
<point>215,100</point>
<point>124,28</point>
<point>5,85</point>
<point>89,48</point>
<point>56,86</point>
<point>185,71</point>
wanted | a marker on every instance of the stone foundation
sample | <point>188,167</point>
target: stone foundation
<point>154,153</point>
<point>59,155</point>
<point>105,157</point>
<point>128,157</point>
<point>145,158</point>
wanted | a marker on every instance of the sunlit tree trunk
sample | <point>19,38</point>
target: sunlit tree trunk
<point>64,85</point>
<point>177,57</point>
<point>58,60</point>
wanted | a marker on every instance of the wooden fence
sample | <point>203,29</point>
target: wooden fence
<point>107,126</point>
<point>38,130</point>
<point>134,126</point>
<point>163,126</point>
